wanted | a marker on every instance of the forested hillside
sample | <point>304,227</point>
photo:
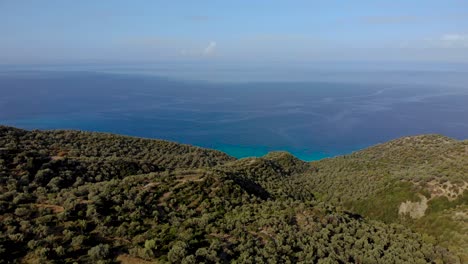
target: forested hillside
<point>420,181</point>
<point>69,196</point>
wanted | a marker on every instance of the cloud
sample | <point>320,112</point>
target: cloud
<point>378,20</point>
<point>454,37</point>
<point>210,49</point>
<point>146,41</point>
<point>278,38</point>
<point>454,40</point>
<point>198,18</point>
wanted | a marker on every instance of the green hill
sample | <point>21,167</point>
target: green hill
<point>419,181</point>
<point>69,196</point>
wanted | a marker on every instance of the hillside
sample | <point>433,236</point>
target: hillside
<point>69,196</point>
<point>419,181</point>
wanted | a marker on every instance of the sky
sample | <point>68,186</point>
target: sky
<point>65,31</point>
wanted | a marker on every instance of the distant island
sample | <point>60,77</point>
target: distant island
<point>71,196</point>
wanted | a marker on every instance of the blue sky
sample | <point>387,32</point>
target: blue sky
<point>65,31</point>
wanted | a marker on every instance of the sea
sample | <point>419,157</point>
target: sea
<point>312,112</point>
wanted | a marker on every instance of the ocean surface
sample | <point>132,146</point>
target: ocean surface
<point>313,115</point>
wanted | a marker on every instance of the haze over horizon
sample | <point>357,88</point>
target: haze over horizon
<point>211,32</point>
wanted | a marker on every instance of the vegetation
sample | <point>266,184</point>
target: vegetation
<point>375,182</point>
<point>69,196</point>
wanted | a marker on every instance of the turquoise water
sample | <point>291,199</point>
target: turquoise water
<point>243,152</point>
<point>102,126</point>
<point>312,120</point>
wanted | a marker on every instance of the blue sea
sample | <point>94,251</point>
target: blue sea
<point>310,112</point>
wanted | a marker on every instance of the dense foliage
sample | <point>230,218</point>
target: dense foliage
<point>374,182</point>
<point>68,196</point>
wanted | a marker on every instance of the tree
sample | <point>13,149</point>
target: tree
<point>177,252</point>
<point>99,252</point>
